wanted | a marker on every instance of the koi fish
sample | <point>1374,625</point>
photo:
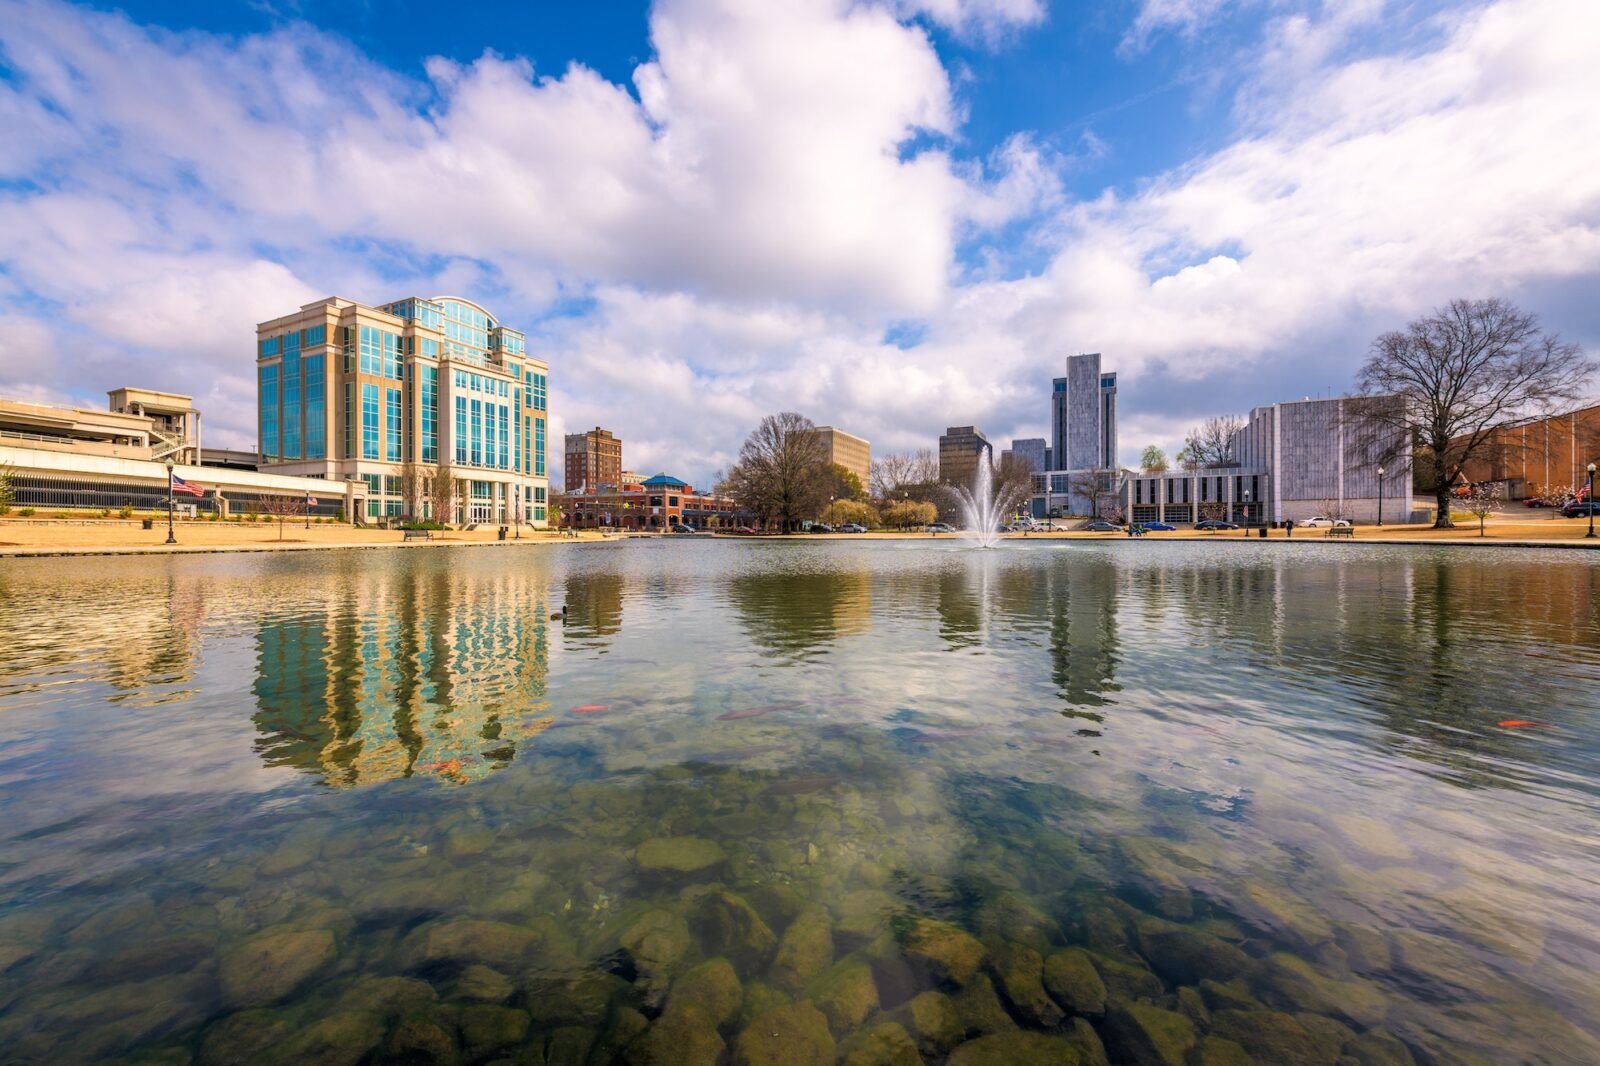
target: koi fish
<point>452,766</point>
<point>1522,723</point>
<point>591,708</point>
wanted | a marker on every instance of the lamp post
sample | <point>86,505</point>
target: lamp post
<point>1246,512</point>
<point>306,503</point>
<point>1380,495</point>
<point>1590,495</point>
<point>170,538</point>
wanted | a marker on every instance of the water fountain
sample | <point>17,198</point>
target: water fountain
<point>982,508</point>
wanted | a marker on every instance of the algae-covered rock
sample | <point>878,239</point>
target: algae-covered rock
<point>1270,1036</point>
<point>882,1045</point>
<point>683,1034</point>
<point>1378,1048</point>
<point>1192,1005</point>
<point>1091,1051</point>
<point>679,856</point>
<point>728,926</point>
<point>387,995</point>
<point>945,951</point>
<point>1288,915</point>
<point>500,945</point>
<point>479,982</point>
<point>1070,977</point>
<point>570,1046</point>
<point>1184,955</point>
<point>1123,980</point>
<point>932,1021</point>
<point>862,915</point>
<point>241,1037</point>
<point>1291,982</point>
<point>805,950</point>
<point>1366,949</point>
<point>1230,996</point>
<point>1215,1051</point>
<point>342,1039</point>
<point>846,995</point>
<point>1144,1035</point>
<point>979,1008</point>
<point>582,1000</point>
<point>713,987</point>
<point>656,940</point>
<point>1019,972</point>
<point>1016,1049</point>
<point>421,1039</point>
<point>486,1029</point>
<point>1012,916</point>
<point>623,1026</point>
<point>273,963</point>
<point>796,1035</point>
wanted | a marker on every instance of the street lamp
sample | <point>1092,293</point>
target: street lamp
<point>1590,494</point>
<point>1246,512</point>
<point>1380,495</point>
<point>173,540</point>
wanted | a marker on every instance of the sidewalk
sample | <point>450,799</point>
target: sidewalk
<point>44,537</point>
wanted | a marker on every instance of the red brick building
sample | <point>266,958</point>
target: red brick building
<point>658,503</point>
<point>1542,455</point>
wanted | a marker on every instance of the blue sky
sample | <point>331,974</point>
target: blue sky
<point>891,215</point>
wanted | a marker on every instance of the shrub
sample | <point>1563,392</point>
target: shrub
<point>25,512</point>
<point>64,514</point>
<point>125,511</point>
<point>5,508</point>
<point>422,525</point>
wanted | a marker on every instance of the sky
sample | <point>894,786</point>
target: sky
<point>892,216</point>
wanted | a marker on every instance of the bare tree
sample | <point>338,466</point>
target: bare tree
<point>888,473</point>
<point>283,508</point>
<point>1213,511</point>
<point>1013,480</point>
<point>1095,486</point>
<point>1462,373</point>
<point>442,492</point>
<point>1482,501</point>
<point>1211,442</point>
<point>781,472</point>
<point>414,479</point>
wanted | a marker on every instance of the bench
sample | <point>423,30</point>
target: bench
<point>1340,531</point>
<point>416,534</point>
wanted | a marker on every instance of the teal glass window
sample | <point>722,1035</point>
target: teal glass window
<point>267,396</point>
<point>541,398</point>
<point>268,346</point>
<point>475,436</point>
<point>390,343</point>
<point>395,439</point>
<point>461,429</point>
<point>369,421</point>
<point>289,378</point>
<point>488,434</point>
<point>314,368</point>
<point>538,447</point>
<point>430,414</point>
<point>371,353</point>
<point>316,335</point>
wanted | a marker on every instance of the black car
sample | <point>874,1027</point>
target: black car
<point>1099,526</point>
<point>1215,523</point>
<point>1580,508</point>
<point>821,527</point>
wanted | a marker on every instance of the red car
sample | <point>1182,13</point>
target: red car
<point>1535,501</point>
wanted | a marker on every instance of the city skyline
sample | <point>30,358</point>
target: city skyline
<point>1227,200</point>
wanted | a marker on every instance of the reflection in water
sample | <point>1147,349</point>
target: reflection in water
<point>1251,804</point>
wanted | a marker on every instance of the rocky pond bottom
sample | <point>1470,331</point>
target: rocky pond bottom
<point>743,803</point>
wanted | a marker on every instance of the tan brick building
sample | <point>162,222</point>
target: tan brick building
<point>593,459</point>
<point>848,451</point>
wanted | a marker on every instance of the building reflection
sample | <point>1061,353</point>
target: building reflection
<point>592,607</point>
<point>1081,604</point>
<point>795,614</point>
<point>405,673</point>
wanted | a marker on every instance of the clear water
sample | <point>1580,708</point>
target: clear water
<point>369,806</point>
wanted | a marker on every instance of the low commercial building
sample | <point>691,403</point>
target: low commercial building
<point>849,451</point>
<point>136,424</point>
<point>1540,456</point>
<point>1292,461</point>
<point>657,503</point>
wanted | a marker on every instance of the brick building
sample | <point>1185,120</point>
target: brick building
<point>593,460</point>
<point>1542,456</point>
<point>657,503</point>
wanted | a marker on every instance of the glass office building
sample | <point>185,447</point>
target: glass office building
<point>432,405</point>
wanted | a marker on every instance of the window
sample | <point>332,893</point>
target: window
<point>476,435</point>
<point>538,514</point>
<point>488,434</point>
<point>369,421</point>
<point>316,335</point>
<point>268,346</point>
<point>516,425</point>
<point>371,355</point>
<point>1058,482</point>
<point>267,394</point>
<point>316,400</point>
<point>396,439</point>
<point>390,344</point>
<point>538,447</point>
<point>428,347</point>
<point>461,429</point>
<point>430,414</point>
<point>391,485</point>
<point>505,437</point>
<point>538,493</point>
<point>289,378</point>
<point>349,420</point>
<point>540,392</point>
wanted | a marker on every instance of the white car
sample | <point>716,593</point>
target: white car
<point>1320,523</point>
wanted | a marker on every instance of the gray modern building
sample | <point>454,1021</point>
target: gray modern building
<point>1032,451</point>
<point>961,448</point>
<point>1083,416</point>
<point>1297,460</point>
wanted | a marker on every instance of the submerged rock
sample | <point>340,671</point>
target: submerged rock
<point>487,1029</point>
<point>1127,981</point>
<point>241,1037</point>
<point>482,983</point>
<point>387,995</point>
<point>1013,917</point>
<point>1019,971</point>
<point>683,1034</point>
<point>1091,1052</point>
<point>1215,1051</point>
<point>656,940</point>
<point>846,995</point>
<point>979,1007</point>
<point>795,1035</point>
<point>679,856</point>
<point>570,1046</point>
<point>1144,1035</point>
<point>1070,977</point>
<point>862,915</point>
<point>932,1021</point>
<point>1016,1049</point>
<point>420,1039</point>
<point>583,999</point>
<point>1184,956</point>
<point>343,1039</point>
<point>728,926</point>
<point>1230,996</point>
<point>712,987</point>
<point>272,964</point>
<point>1271,1036</point>
<point>947,952</point>
<point>886,1044</point>
<point>500,945</point>
<point>1291,982</point>
<point>1378,1048</point>
<point>805,950</point>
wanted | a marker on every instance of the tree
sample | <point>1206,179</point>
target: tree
<point>781,472</point>
<point>894,474</point>
<point>413,486</point>
<point>843,484</point>
<point>1482,501</point>
<point>1154,460</point>
<point>282,508</point>
<point>903,514</point>
<point>1094,486</point>
<point>7,492</point>
<point>1211,442</point>
<point>442,493</point>
<point>1213,511</point>
<point>1453,378</point>
<point>841,511</point>
<point>1013,480</point>
<point>1185,460</point>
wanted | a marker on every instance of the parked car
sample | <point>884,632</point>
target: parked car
<point>1161,527</point>
<point>940,527</point>
<point>1101,526</point>
<point>1215,523</point>
<point>852,527</point>
<point>820,527</point>
<point>1322,523</point>
<point>682,528</point>
<point>1536,501</point>
<point>1580,508</point>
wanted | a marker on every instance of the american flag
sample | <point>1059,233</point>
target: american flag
<point>187,488</point>
<point>311,501</point>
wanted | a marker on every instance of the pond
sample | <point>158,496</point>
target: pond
<point>878,801</point>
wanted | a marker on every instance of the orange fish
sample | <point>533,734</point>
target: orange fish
<point>451,767</point>
<point>1522,723</point>
<point>590,708</point>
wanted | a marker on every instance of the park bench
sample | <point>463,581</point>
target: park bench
<point>1340,531</point>
<point>416,534</point>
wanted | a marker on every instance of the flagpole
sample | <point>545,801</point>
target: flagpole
<point>170,538</point>
<point>306,503</point>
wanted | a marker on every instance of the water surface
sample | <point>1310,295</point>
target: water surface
<point>373,806</point>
